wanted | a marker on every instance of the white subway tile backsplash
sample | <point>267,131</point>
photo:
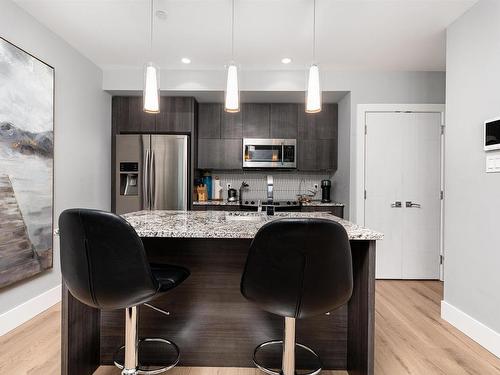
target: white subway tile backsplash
<point>287,185</point>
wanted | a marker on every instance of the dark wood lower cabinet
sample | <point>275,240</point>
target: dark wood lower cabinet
<point>214,325</point>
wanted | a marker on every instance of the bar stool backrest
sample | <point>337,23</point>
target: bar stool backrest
<point>299,267</point>
<point>103,261</point>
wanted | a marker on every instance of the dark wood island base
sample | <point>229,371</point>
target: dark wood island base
<point>211,322</point>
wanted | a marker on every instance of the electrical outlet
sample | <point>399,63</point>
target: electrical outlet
<point>228,186</point>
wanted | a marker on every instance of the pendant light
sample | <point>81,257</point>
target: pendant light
<point>151,92</point>
<point>313,94</point>
<point>232,94</point>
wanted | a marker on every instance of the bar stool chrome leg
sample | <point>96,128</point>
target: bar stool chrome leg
<point>288,363</point>
<point>289,344</point>
<point>131,347</point>
<point>131,341</point>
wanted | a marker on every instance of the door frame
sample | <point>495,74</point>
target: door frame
<point>359,196</point>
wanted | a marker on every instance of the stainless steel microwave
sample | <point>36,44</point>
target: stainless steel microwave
<point>269,153</point>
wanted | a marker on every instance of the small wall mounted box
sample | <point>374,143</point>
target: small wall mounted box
<point>493,162</point>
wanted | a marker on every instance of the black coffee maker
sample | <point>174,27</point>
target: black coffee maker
<point>326,188</point>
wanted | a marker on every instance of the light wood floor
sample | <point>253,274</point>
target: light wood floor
<point>410,339</point>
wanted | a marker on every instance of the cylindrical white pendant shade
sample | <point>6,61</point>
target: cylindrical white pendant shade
<point>151,93</point>
<point>313,95</point>
<point>232,97</point>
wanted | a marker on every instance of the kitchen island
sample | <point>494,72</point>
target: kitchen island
<point>209,319</point>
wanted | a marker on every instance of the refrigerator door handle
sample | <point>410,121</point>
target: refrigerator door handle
<point>145,180</point>
<point>152,180</point>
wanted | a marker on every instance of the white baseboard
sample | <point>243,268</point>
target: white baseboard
<point>483,335</point>
<point>29,309</point>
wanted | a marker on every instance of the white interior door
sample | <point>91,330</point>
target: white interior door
<point>403,185</point>
<point>421,192</point>
<point>384,190</point>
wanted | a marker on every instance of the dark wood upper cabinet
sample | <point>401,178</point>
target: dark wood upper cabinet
<point>128,116</point>
<point>209,120</point>
<point>119,112</point>
<point>256,120</point>
<point>176,115</point>
<point>317,155</point>
<point>283,123</point>
<point>221,133</point>
<point>232,125</point>
<point>221,154</point>
<point>317,139</point>
<point>322,125</point>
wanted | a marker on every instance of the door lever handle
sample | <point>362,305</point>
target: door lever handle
<point>410,204</point>
<point>396,205</point>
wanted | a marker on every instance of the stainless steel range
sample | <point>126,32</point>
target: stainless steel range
<point>253,205</point>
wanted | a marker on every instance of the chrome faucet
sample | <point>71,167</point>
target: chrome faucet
<point>270,195</point>
<point>270,187</point>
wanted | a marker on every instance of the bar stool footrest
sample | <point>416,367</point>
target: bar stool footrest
<point>142,369</point>
<point>280,342</point>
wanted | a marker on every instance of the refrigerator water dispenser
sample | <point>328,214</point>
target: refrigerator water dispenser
<point>129,178</point>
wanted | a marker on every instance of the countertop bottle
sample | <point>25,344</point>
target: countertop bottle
<point>216,189</point>
<point>207,181</point>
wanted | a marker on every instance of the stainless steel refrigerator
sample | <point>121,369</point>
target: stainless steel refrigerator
<point>151,172</point>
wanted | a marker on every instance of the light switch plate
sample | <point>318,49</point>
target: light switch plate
<point>493,162</point>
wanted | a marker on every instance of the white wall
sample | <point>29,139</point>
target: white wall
<point>472,205</point>
<point>365,88</point>
<point>82,137</point>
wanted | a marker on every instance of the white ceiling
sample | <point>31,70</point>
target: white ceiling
<point>400,35</point>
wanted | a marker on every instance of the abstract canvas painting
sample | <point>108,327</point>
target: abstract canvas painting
<point>26,164</point>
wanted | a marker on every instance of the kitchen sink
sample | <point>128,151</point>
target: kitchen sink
<point>245,216</point>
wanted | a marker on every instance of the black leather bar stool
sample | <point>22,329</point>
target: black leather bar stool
<point>297,268</point>
<point>104,265</point>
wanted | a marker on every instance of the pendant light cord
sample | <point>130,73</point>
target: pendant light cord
<point>151,25</point>
<point>232,31</point>
<point>314,34</point>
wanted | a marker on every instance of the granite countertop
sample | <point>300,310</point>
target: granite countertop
<point>225,224</point>
<point>226,203</point>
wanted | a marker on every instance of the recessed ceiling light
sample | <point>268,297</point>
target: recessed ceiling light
<point>286,60</point>
<point>186,60</point>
